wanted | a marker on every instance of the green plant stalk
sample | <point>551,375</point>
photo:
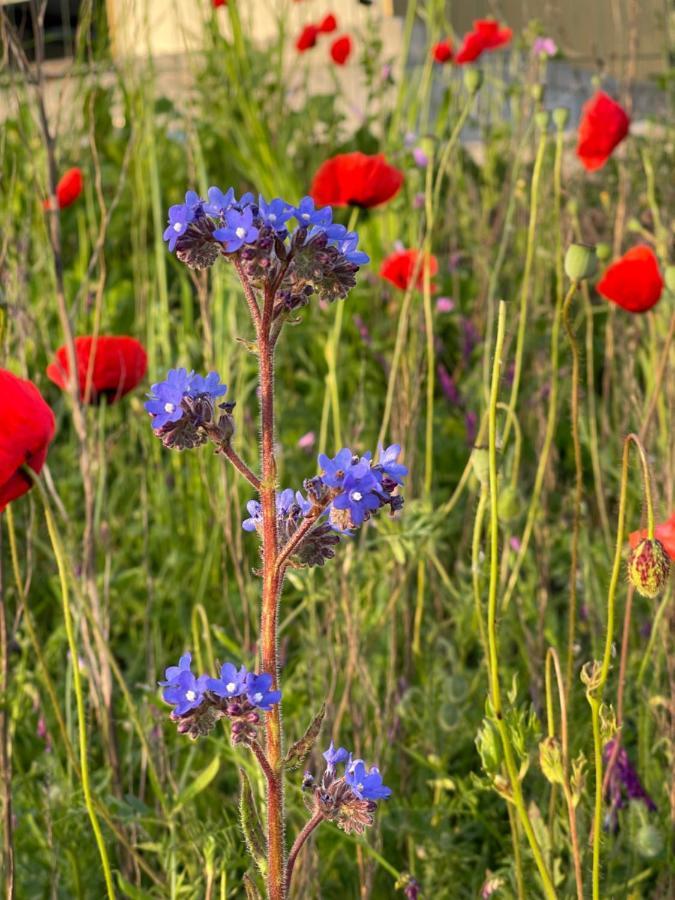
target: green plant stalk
<point>578,490</point>
<point>475,570</point>
<point>493,653</point>
<point>595,694</point>
<point>527,275</point>
<point>59,555</point>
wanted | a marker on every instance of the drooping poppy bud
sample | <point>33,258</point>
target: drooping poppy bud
<point>665,533</point>
<point>340,50</point>
<point>399,267</point>
<point>634,281</point>
<point>649,567</point>
<point>604,124</point>
<point>307,38</point>
<point>27,429</point>
<point>580,262</point>
<point>118,365</point>
<point>355,179</point>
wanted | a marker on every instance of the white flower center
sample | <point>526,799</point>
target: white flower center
<point>169,407</point>
<point>359,786</point>
<point>357,495</point>
<point>231,686</point>
<point>272,217</point>
<point>241,233</point>
<point>190,695</point>
<point>177,226</point>
<point>258,697</point>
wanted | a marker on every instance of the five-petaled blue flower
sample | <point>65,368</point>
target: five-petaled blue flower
<point>232,681</point>
<point>366,785</point>
<point>208,385</point>
<point>333,757</point>
<point>307,214</point>
<point>182,689</point>
<point>387,463</point>
<point>334,470</point>
<point>258,691</point>
<point>284,502</point>
<point>239,229</point>
<point>164,404</point>
<point>172,673</point>
<point>275,213</point>
<point>219,202</point>
<point>357,493</point>
<point>346,242</point>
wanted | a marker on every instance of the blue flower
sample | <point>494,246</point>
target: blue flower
<point>180,217</point>
<point>346,242</point>
<point>333,757</point>
<point>255,516</point>
<point>246,199</point>
<point>357,493</point>
<point>185,693</point>
<point>275,213</point>
<point>334,470</point>
<point>238,230</point>
<point>172,673</point>
<point>387,463</point>
<point>307,214</point>
<point>286,499</point>
<point>366,785</point>
<point>258,691</point>
<point>219,202</point>
<point>209,385</point>
<point>164,404</point>
<point>232,681</point>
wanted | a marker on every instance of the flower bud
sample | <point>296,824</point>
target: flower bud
<point>508,505</point>
<point>473,79</point>
<point>670,278</point>
<point>633,225</point>
<point>648,568</point>
<point>580,262</point>
<point>480,463</point>
<point>541,119</point>
<point>561,116</point>
<point>550,760</point>
<point>649,841</point>
<point>537,92</point>
<point>603,251</point>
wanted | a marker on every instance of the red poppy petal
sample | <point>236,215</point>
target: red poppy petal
<point>341,49</point>
<point>442,51</point>
<point>69,187</point>
<point>398,269</point>
<point>120,363</point>
<point>355,179</point>
<point>633,282</point>
<point>328,24</point>
<point>665,532</point>
<point>604,124</point>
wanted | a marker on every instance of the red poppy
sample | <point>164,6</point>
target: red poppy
<point>307,38</point>
<point>355,179</point>
<point>442,51</point>
<point>486,35</point>
<point>341,49</point>
<point>328,24</point>
<point>27,429</point>
<point>68,189</point>
<point>665,532</point>
<point>398,268</point>
<point>633,282</point>
<point>119,365</point>
<point>217,3</point>
<point>604,124</point>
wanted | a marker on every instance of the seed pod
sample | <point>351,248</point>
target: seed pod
<point>648,568</point>
<point>580,262</point>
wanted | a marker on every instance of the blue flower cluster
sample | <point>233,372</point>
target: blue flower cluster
<point>183,409</point>
<point>199,700</point>
<point>367,785</point>
<point>317,255</point>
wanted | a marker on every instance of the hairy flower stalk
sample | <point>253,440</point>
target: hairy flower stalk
<point>279,270</point>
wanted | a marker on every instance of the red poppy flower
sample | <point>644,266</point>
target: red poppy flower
<point>68,189</point>
<point>486,35</point>
<point>328,24</point>
<point>217,3</point>
<point>307,38</point>
<point>355,179</point>
<point>633,282</point>
<point>119,365</point>
<point>341,49</point>
<point>27,429</point>
<point>398,268</point>
<point>604,124</point>
<point>665,532</point>
<point>442,51</point>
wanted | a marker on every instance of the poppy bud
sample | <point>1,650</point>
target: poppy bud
<point>580,262</point>
<point>541,119</point>
<point>670,278</point>
<point>473,79</point>
<point>648,841</point>
<point>537,92</point>
<point>480,462</point>
<point>648,568</point>
<point>508,505</point>
<point>603,251</point>
<point>561,116</point>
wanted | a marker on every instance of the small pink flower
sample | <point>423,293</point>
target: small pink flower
<point>307,441</point>
<point>445,304</point>
<point>544,46</point>
<point>420,157</point>
<point>514,544</point>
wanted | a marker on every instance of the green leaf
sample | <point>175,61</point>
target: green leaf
<point>129,890</point>
<point>252,892</point>
<point>301,749</point>
<point>198,784</point>
<point>250,823</point>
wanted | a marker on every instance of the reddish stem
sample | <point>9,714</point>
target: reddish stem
<point>299,842</point>
<point>240,465</point>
